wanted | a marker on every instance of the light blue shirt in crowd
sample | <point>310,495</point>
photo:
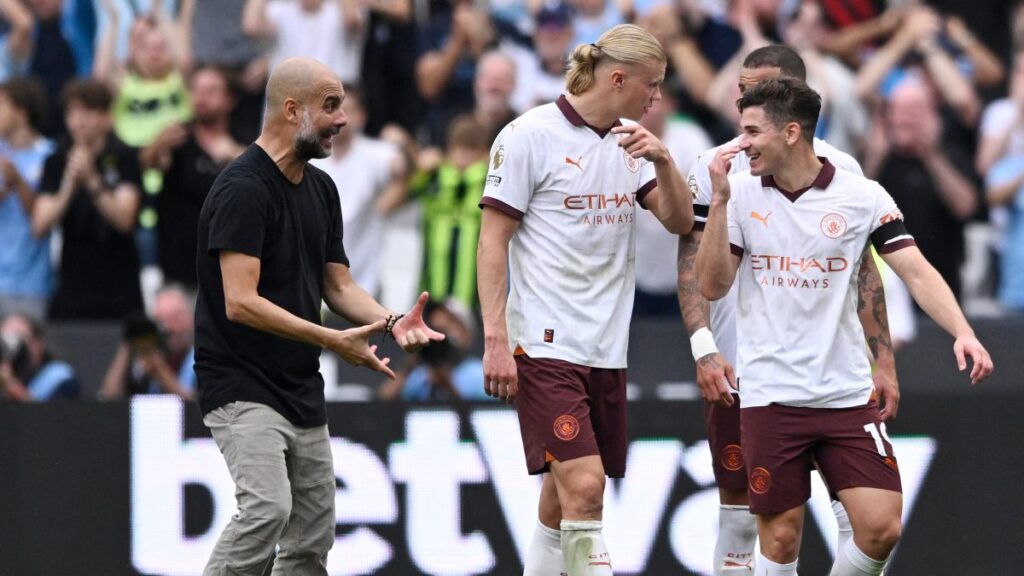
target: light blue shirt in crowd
<point>25,267</point>
<point>1011,263</point>
<point>468,379</point>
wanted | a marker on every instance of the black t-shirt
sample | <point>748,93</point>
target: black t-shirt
<point>938,233</point>
<point>99,267</point>
<point>295,230</point>
<point>187,182</point>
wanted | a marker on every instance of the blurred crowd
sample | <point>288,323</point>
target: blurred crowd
<point>117,115</point>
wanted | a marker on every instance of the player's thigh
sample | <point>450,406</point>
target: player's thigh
<point>777,444</point>
<point>872,510</point>
<point>554,412</point>
<point>723,427</point>
<point>606,389</point>
<point>855,450</point>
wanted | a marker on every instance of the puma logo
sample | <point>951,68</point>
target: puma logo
<point>761,219</point>
<point>576,163</point>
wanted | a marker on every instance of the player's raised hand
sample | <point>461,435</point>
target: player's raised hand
<point>716,379</point>
<point>639,142</point>
<point>501,379</point>
<point>353,345</point>
<point>411,332</point>
<point>969,346</point>
<point>719,170</point>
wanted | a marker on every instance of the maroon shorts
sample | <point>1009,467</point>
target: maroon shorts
<point>568,411</point>
<point>780,443</point>
<point>724,440</point>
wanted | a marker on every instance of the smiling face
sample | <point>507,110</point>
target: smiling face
<point>322,118</point>
<point>764,142</point>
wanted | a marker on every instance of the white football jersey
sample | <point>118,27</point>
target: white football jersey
<point>723,311</point>
<point>802,343</point>
<point>572,258</point>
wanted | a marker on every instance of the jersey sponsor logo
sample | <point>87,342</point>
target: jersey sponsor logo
<point>599,201</point>
<point>567,427</point>
<point>732,458</point>
<point>691,181</point>
<point>761,219</point>
<point>498,158</point>
<point>825,265</point>
<point>493,180</point>
<point>632,164</point>
<point>578,163</point>
<point>760,480</point>
<point>891,217</point>
<point>833,225</point>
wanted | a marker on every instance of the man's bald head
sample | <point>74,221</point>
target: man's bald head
<point>297,78</point>
<point>304,106</point>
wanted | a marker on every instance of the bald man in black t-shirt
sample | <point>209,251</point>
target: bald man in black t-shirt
<point>269,252</point>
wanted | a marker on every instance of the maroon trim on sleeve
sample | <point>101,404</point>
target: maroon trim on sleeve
<point>645,190</point>
<point>736,250</point>
<point>489,202</point>
<point>897,245</point>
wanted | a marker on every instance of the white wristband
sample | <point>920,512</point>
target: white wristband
<point>702,343</point>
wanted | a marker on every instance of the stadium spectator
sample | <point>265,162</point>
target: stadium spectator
<point>667,22</point>
<point>155,356</point>
<point>928,173</point>
<point>444,371</point>
<point>26,272</point>
<point>493,86</point>
<point>370,175</point>
<point>1001,132</point>
<point>388,73</point>
<point>450,46</point>
<point>450,193</point>
<point>190,156</point>
<point>1005,191</point>
<point>29,371</point>
<point>150,95</point>
<point>329,31</point>
<point>149,86</point>
<point>916,49</point>
<point>212,34</point>
<point>55,61</point>
<point>16,43</point>
<point>540,69</point>
<point>591,18</point>
<point>90,188</point>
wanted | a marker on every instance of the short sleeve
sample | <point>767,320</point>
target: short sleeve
<point>238,221</point>
<point>888,231</point>
<point>648,180</point>
<point>128,167</point>
<point>510,175</point>
<point>699,183</point>
<point>336,231</point>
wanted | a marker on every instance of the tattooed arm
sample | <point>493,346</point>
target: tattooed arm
<point>714,374</point>
<point>875,320</point>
